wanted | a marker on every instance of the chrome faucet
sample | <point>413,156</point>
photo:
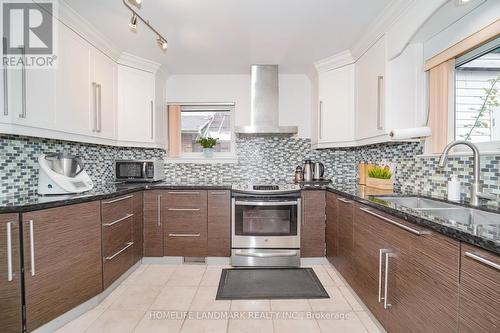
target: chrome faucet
<point>475,191</point>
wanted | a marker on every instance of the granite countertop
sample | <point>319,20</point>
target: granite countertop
<point>486,236</point>
<point>30,202</point>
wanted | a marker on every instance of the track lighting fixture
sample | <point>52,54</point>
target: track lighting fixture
<point>162,43</point>
<point>133,23</point>
<point>137,3</point>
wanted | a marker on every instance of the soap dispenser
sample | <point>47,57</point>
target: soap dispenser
<point>454,189</point>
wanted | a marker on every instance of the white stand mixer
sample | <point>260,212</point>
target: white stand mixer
<point>61,173</point>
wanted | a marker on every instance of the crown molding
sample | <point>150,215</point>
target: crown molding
<point>341,59</point>
<point>131,60</point>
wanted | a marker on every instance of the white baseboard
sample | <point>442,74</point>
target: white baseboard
<point>210,261</point>
<point>218,261</point>
<point>76,312</point>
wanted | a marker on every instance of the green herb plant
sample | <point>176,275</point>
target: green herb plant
<point>379,172</point>
<point>207,142</point>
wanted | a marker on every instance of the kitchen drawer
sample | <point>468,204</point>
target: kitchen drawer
<point>186,199</point>
<point>116,208</point>
<point>219,224</point>
<point>117,263</point>
<point>186,244</point>
<point>117,234</point>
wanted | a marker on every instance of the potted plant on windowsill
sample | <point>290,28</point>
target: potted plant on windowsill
<point>208,145</point>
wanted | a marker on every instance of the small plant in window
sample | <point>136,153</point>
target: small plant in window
<point>208,145</point>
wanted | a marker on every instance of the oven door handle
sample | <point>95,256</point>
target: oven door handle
<point>265,255</point>
<point>266,203</point>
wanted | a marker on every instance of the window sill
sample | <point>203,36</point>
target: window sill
<point>203,160</point>
<point>461,153</point>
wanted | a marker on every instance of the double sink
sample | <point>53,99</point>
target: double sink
<point>452,213</point>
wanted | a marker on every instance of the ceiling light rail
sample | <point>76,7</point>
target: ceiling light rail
<point>161,41</point>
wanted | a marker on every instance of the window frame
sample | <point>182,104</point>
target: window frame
<point>198,157</point>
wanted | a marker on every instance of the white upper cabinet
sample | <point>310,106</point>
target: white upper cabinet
<point>5,116</point>
<point>136,112</point>
<point>336,112</point>
<point>370,92</point>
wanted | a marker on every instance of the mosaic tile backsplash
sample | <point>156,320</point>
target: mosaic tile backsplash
<point>259,159</point>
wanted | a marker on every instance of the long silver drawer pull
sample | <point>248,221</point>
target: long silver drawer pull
<point>129,244</point>
<point>9,251</point>
<point>23,87</point>
<point>218,193</point>
<point>118,221</point>
<point>386,282</point>
<point>482,260</point>
<point>152,121</point>
<point>119,199</point>
<point>266,203</point>
<point>184,192</point>
<point>185,209</point>
<point>265,255</point>
<point>184,235</point>
<point>158,210</point>
<point>344,200</point>
<point>94,93</point>
<point>402,226</point>
<point>32,248</point>
<point>380,263</point>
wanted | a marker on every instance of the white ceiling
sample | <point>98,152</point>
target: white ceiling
<point>226,36</point>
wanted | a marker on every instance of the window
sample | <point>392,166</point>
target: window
<point>200,121</point>
<point>477,99</point>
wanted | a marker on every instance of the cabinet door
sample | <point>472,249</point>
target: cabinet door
<point>479,290</point>
<point>370,71</point>
<point>312,229</point>
<point>137,207</point>
<point>74,91</point>
<point>185,231</point>
<point>344,260</point>
<point>219,224</point>
<point>331,227</point>
<point>5,113</point>
<point>153,224</point>
<point>104,88</point>
<point>336,105</point>
<point>135,105</point>
<point>10,275</point>
<point>62,260</point>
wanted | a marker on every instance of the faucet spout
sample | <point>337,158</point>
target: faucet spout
<point>476,186</point>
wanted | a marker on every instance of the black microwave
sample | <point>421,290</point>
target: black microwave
<point>139,170</point>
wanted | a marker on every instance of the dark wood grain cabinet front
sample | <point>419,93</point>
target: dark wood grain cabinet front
<point>138,225</point>
<point>62,260</point>
<point>219,224</point>
<point>331,227</point>
<point>479,290</point>
<point>153,224</point>
<point>10,275</point>
<point>312,230</point>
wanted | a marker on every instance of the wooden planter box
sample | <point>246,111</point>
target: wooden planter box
<point>381,184</point>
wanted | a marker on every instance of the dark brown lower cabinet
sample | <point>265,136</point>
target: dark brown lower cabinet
<point>479,290</point>
<point>185,226</point>
<point>312,230</point>
<point>62,260</point>
<point>10,275</point>
<point>219,224</point>
<point>331,226</point>
<point>138,237</point>
<point>153,224</point>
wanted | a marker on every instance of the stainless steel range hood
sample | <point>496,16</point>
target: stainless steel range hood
<point>264,111</point>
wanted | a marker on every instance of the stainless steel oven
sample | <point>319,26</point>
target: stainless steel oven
<point>266,227</point>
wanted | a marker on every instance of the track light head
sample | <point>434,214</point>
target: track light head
<point>137,3</point>
<point>162,43</point>
<point>133,23</point>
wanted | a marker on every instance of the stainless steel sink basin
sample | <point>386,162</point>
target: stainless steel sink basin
<point>450,212</point>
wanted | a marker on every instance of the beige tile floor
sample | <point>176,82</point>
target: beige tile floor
<point>190,289</point>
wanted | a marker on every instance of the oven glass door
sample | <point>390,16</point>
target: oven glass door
<point>130,170</point>
<point>265,218</point>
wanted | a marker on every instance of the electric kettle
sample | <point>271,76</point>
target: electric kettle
<point>318,171</point>
<point>307,171</point>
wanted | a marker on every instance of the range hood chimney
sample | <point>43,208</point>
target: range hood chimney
<point>264,111</point>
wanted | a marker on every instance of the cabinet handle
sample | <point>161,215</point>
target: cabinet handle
<point>152,121</point>
<point>380,101</point>
<point>9,251</point>
<point>94,93</point>
<point>129,244</point>
<point>387,305</point>
<point>32,248</point>
<point>380,264</point>
<point>23,85</point>
<point>183,193</point>
<point>118,221</point>
<point>402,226</point>
<point>158,209</point>
<point>5,81</point>
<point>483,260</point>
<point>184,235</point>
<point>119,199</point>
<point>99,111</point>
<point>344,200</point>
<point>184,209</point>
<point>321,119</point>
